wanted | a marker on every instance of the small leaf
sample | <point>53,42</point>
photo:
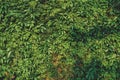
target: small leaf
<point>33,4</point>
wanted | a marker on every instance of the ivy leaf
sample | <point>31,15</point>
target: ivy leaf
<point>33,4</point>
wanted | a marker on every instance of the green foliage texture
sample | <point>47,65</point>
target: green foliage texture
<point>59,39</point>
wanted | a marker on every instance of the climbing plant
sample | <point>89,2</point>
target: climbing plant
<point>59,40</point>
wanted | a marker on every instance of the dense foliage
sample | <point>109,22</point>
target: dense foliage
<point>59,39</point>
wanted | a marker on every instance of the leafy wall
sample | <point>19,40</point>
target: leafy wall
<point>59,40</point>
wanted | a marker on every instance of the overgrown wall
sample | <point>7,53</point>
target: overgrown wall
<point>59,40</point>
